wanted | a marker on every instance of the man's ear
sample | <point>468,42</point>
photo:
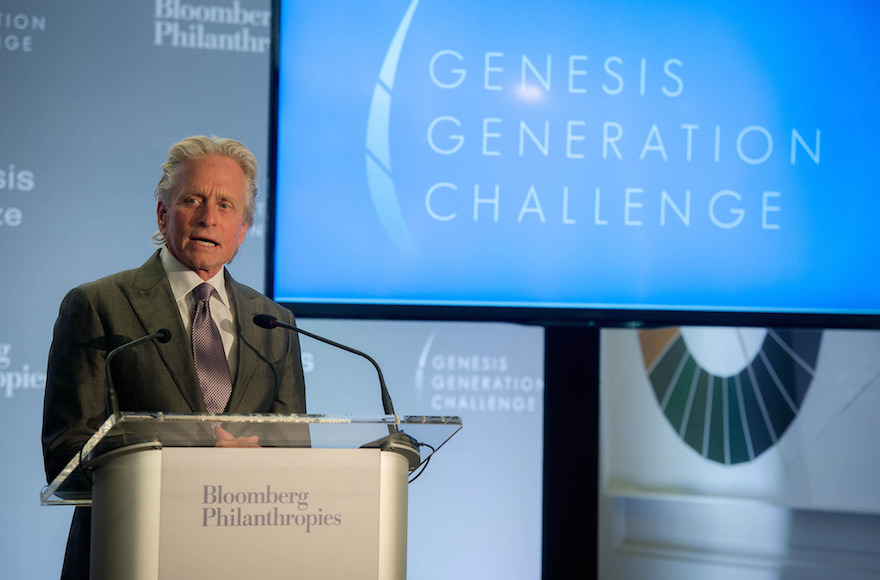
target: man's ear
<point>244,229</point>
<point>161,213</point>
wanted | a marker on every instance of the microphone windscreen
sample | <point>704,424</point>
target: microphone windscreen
<point>265,320</point>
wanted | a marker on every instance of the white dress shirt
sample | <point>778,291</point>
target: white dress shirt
<point>183,281</point>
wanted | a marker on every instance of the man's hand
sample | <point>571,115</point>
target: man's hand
<point>226,439</point>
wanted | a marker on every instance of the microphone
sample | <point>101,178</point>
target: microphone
<point>162,335</point>
<point>396,441</point>
<point>268,321</point>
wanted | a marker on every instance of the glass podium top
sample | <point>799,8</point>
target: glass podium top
<point>416,437</point>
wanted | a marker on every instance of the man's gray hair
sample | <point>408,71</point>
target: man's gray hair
<point>199,146</point>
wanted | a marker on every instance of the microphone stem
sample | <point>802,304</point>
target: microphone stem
<point>387,406</point>
<point>112,401</point>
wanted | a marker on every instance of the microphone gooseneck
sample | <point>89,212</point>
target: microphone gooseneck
<point>268,321</point>
<point>396,440</point>
<point>162,335</point>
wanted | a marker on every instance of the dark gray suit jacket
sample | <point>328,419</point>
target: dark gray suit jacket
<point>97,317</point>
<point>100,316</point>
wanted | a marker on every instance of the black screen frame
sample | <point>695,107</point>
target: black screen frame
<point>544,316</point>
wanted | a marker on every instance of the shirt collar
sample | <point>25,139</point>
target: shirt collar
<point>183,280</point>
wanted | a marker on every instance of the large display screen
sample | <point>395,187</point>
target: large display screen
<point>702,157</point>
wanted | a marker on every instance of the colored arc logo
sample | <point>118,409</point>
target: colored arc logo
<point>379,175</point>
<point>730,393</point>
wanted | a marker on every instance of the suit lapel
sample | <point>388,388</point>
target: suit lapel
<point>152,301</point>
<point>247,359</point>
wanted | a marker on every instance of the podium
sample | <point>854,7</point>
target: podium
<point>322,497</point>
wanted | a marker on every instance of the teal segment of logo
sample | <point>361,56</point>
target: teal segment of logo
<point>731,419</point>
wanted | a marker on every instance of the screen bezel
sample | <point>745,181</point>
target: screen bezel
<point>546,316</point>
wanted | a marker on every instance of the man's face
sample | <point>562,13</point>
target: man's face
<point>203,223</point>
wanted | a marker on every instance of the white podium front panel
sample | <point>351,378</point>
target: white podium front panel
<point>276,513</point>
<point>329,500</point>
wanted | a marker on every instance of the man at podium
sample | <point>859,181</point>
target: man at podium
<point>215,359</point>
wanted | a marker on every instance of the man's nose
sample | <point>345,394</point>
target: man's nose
<point>207,214</point>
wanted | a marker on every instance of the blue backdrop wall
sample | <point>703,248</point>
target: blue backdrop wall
<point>94,94</point>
